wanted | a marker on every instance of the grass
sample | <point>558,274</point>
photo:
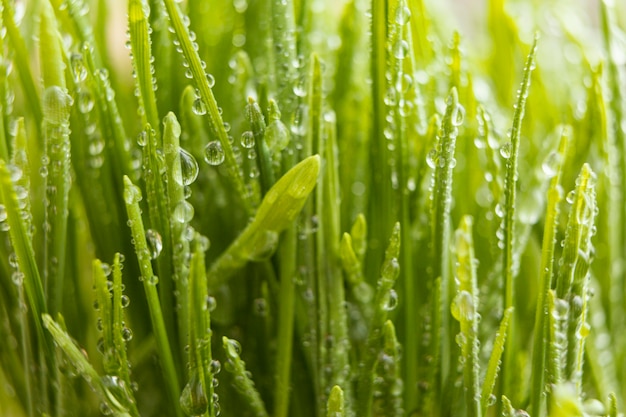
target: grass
<point>281,208</point>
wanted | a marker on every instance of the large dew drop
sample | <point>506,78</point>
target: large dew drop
<point>155,243</point>
<point>132,194</point>
<point>183,212</point>
<point>188,169</point>
<point>193,399</point>
<point>213,153</point>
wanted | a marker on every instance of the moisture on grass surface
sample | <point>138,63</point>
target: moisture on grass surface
<point>353,208</point>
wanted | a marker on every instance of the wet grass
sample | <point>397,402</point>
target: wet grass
<point>282,208</point>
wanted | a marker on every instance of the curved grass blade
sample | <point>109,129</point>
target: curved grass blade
<point>279,208</point>
<point>242,380</point>
<point>112,392</point>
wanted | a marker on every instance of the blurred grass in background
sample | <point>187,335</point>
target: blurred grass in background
<point>350,207</point>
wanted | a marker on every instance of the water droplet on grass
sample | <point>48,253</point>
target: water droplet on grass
<point>155,243</point>
<point>403,15</point>
<point>401,49</point>
<point>213,153</point>
<point>247,139</point>
<point>199,107</point>
<point>188,169</point>
<point>551,164</point>
<point>505,150</point>
<point>183,212</point>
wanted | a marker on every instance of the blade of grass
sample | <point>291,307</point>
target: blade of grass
<point>510,150</point>
<point>465,309</point>
<point>278,209</point>
<point>132,196</point>
<point>487,397</point>
<point>242,379</point>
<point>204,83</point>
<point>538,389</point>
<point>384,301</point>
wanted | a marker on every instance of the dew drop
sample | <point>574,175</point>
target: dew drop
<point>199,107</point>
<point>188,169</point>
<point>571,197</point>
<point>142,138</point>
<point>459,115</point>
<point>233,348</point>
<point>431,158</point>
<point>551,164</point>
<point>153,280</point>
<point>193,399</point>
<point>462,307</point>
<point>400,49</point>
<point>277,136</point>
<point>127,334</point>
<point>247,139</point>
<point>403,15</point>
<point>183,212</point>
<point>132,194</point>
<point>213,153</point>
<point>210,80</point>
<point>155,243</point>
<point>505,150</point>
<point>85,102</point>
<point>215,367</point>
<point>392,301</point>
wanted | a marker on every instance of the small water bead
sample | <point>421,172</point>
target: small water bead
<point>193,399</point>
<point>463,308</point>
<point>505,150</point>
<point>142,138</point>
<point>106,269</point>
<point>277,136</point>
<point>127,334</point>
<point>213,153</point>
<point>153,280</point>
<point>260,307</point>
<point>561,309</point>
<point>431,158</point>
<point>155,243</point>
<point>86,102</point>
<point>499,209</point>
<point>400,49</point>
<point>183,212</point>
<point>459,116</point>
<point>78,67</point>
<point>210,303</point>
<point>125,301</point>
<point>3,213</point>
<point>392,301</point>
<point>551,164</point>
<point>210,80</point>
<point>571,197</point>
<point>199,107</point>
<point>247,139</point>
<point>215,367</point>
<point>403,15</point>
<point>188,169</point>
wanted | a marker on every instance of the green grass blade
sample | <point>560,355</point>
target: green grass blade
<point>132,196</point>
<point>510,151</point>
<point>547,267</point>
<point>487,397</point>
<point>279,208</point>
<point>384,301</point>
<point>242,380</point>
<point>140,42</point>
<point>21,60</point>
<point>465,310</point>
<point>388,385</point>
<point>204,83</point>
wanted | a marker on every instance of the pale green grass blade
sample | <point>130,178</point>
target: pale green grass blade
<point>21,60</point>
<point>388,385</point>
<point>464,309</point>
<point>487,397</point>
<point>510,151</point>
<point>111,392</point>
<point>242,379</point>
<point>335,403</point>
<point>547,271</point>
<point>279,208</point>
